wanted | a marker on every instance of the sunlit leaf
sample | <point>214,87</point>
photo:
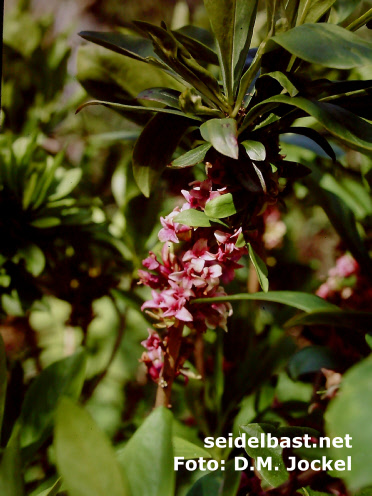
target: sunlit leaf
<point>222,133</point>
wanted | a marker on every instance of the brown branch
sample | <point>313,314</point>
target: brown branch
<point>171,359</point>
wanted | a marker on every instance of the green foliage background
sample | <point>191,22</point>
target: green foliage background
<point>75,403</point>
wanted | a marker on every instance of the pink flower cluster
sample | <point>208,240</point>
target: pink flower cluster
<point>206,259</point>
<point>346,285</point>
<point>153,357</point>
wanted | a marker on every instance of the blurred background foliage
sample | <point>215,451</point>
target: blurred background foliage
<point>75,228</point>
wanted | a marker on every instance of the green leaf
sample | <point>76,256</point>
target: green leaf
<point>182,447</point>
<point>274,477</point>
<point>62,378</point>
<point>193,218</point>
<point>260,268</point>
<point>136,108</point>
<point>192,157</point>
<point>221,206</point>
<point>312,11</point>
<point>232,22</point>
<point>346,126</point>
<point>207,485</point>
<point>335,318</point>
<point>310,360</point>
<point>52,491</point>
<point>303,301</point>
<point>11,476</point>
<point>349,413</point>
<point>147,458</point>
<point>132,46</point>
<point>68,183</point>
<point>199,42</point>
<point>3,380</point>
<point>283,80</point>
<point>167,96</point>
<point>340,49</point>
<point>345,7</point>
<point>223,135</point>
<point>178,58</point>
<point>84,456</point>
<point>255,150</point>
<point>316,137</point>
<point>46,222</point>
<point>155,147</point>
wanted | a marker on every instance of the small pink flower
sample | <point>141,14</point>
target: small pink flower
<point>172,230</point>
<point>345,266</point>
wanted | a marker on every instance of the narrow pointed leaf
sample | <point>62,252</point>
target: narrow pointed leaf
<point>52,491</point>
<point>312,11</point>
<point>232,22</point>
<point>85,458</point>
<point>155,147</point>
<point>135,108</point>
<point>162,95</point>
<point>221,207</point>
<point>260,268</point>
<point>348,127</point>
<point>303,301</point>
<point>223,135</point>
<point>191,157</point>
<point>316,137</point>
<point>132,46</point>
<point>255,150</point>
<point>335,318</point>
<point>199,42</point>
<point>340,49</point>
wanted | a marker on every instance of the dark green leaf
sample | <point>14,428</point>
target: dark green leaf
<point>255,150</point>
<point>310,360</point>
<point>223,135</point>
<point>199,42</point>
<point>303,301</point>
<point>189,451</point>
<point>162,95</point>
<point>349,128</point>
<point>349,413</point>
<point>3,380</point>
<point>316,137</point>
<point>132,46</point>
<point>155,147</point>
<point>147,458</point>
<point>179,59</point>
<point>192,157</point>
<point>260,268</point>
<point>278,475</point>
<point>11,475</point>
<point>335,318</point>
<point>232,22</point>
<point>340,49</point>
<point>85,458</point>
<point>135,108</point>
<point>207,485</point>
<point>63,378</point>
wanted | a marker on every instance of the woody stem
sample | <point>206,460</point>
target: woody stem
<point>171,359</point>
